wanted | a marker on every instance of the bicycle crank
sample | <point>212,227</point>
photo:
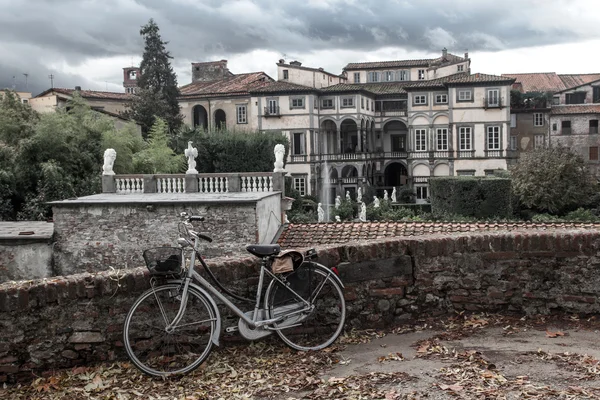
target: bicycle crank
<point>256,333</point>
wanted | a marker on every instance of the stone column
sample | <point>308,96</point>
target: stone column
<point>339,141</point>
<point>360,140</point>
<point>279,183</point>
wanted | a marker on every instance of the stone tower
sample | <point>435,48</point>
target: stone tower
<point>130,78</point>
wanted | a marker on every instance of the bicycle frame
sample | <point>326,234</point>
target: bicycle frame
<point>253,322</point>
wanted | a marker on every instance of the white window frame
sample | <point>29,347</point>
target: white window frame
<point>421,74</point>
<point>493,139</point>
<point>241,113</point>
<point>496,97</point>
<point>388,76</point>
<point>465,138</point>
<point>402,75</point>
<point>357,77</point>
<point>460,68</point>
<point>539,142</point>
<point>373,76</point>
<point>417,99</point>
<point>347,102</point>
<point>538,119</point>
<point>441,139</point>
<point>441,98</point>
<point>300,185</point>
<point>420,139</point>
<point>462,95</point>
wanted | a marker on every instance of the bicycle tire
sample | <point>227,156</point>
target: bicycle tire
<point>158,305</point>
<point>329,307</point>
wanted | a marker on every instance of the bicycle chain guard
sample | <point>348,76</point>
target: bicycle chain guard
<point>257,333</point>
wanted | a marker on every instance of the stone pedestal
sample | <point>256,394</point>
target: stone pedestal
<point>149,184</point>
<point>108,184</point>
<point>191,183</point>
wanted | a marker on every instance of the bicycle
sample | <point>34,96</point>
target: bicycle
<point>172,327</point>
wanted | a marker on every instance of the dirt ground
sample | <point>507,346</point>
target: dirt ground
<point>455,357</point>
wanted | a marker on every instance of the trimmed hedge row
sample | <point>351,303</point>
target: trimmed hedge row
<point>479,197</point>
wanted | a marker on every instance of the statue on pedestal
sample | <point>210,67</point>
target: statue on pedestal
<point>279,153</point>
<point>348,195</point>
<point>363,212</point>
<point>376,202</point>
<point>359,195</point>
<point>338,201</point>
<point>385,195</point>
<point>394,195</point>
<point>110,156</point>
<point>191,153</point>
<point>320,213</point>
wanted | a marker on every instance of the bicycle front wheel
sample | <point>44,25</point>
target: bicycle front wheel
<point>312,327</point>
<point>158,352</point>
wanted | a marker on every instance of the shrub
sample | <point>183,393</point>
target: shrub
<point>471,196</point>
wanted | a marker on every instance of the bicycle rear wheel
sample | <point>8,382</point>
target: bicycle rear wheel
<point>318,326</point>
<point>157,352</point>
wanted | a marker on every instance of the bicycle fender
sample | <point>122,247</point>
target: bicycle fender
<point>331,273</point>
<point>217,335</point>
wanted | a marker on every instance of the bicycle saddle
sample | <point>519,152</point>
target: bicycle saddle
<point>263,250</point>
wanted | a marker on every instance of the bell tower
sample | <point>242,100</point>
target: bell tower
<point>130,78</point>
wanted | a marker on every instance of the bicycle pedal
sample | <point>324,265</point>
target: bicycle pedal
<point>232,329</point>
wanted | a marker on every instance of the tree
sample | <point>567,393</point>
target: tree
<point>158,157</point>
<point>554,180</point>
<point>157,85</point>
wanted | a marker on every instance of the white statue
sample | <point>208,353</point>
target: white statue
<point>359,195</point>
<point>109,160</point>
<point>385,195</point>
<point>338,219</point>
<point>191,153</point>
<point>363,212</point>
<point>348,195</point>
<point>376,202</point>
<point>279,153</point>
<point>394,195</point>
<point>321,213</point>
<point>286,220</point>
<point>338,201</point>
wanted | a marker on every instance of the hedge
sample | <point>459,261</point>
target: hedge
<point>479,197</point>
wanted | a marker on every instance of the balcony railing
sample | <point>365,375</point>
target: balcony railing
<point>272,111</point>
<point>390,113</point>
<point>494,153</point>
<point>298,158</point>
<point>419,154</point>
<point>441,154</point>
<point>465,154</point>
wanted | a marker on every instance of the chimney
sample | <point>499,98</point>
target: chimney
<point>296,63</point>
<point>444,53</point>
<point>78,88</point>
<point>281,61</point>
<point>466,54</point>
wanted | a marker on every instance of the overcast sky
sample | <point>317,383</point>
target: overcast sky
<point>88,42</point>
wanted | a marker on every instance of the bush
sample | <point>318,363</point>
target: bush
<point>477,197</point>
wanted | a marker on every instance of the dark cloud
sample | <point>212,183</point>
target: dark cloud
<point>39,34</point>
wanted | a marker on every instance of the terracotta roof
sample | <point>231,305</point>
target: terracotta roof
<point>237,85</point>
<point>576,109</point>
<point>88,94</point>
<point>538,81</point>
<point>574,80</point>
<point>308,235</point>
<point>478,78</point>
<point>427,62</point>
<point>435,83</point>
<point>282,86</point>
<point>374,88</point>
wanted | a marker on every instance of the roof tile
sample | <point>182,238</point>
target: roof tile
<point>538,81</point>
<point>236,85</point>
<point>281,86</point>
<point>576,109</point>
<point>89,94</point>
<point>427,62</point>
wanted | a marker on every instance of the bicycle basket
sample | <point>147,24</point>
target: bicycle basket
<point>163,260</point>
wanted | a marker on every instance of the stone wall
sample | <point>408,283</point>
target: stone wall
<point>25,259</point>
<point>73,320</point>
<point>92,237</point>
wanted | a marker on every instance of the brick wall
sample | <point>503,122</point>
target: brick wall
<point>73,320</point>
<point>96,237</point>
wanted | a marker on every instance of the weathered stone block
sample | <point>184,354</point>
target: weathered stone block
<point>86,337</point>
<point>375,269</point>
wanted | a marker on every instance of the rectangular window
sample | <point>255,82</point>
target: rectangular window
<point>362,102</point>
<point>388,76</point>
<point>357,77</point>
<point>442,139</point>
<point>242,116</point>
<point>594,153</point>
<point>272,107</point>
<point>556,100</point>
<point>493,138</point>
<point>373,77</point>
<point>347,102</point>
<point>513,143</point>
<point>420,140</point>
<point>300,185</point>
<point>538,119</point>
<point>297,102</point>
<point>493,98</point>
<point>596,94</point>
<point>421,74</point>
<point>465,95</point>
<point>419,99</point>
<point>327,103</point>
<point>538,141</point>
<point>513,120</point>
<point>298,143</point>
<point>593,126</point>
<point>460,68</point>
<point>421,192</point>
<point>368,102</point>
<point>441,99</point>
<point>464,137</point>
<point>575,98</point>
<point>565,127</point>
<point>286,74</point>
<point>466,172</point>
<point>398,142</point>
<point>402,75</point>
